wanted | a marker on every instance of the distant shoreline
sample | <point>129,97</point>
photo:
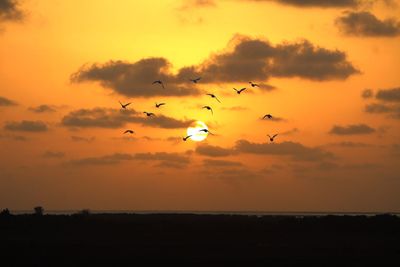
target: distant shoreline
<point>244,213</point>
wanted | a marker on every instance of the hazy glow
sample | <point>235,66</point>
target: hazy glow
<point>195,133</point>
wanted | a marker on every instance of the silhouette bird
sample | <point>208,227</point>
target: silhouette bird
<point>129,131</point>
<point>149,113</point>
<point>214,96</point>
<point>186,138</point>
<point>269,116</point>
<point>195,80</point>
<point>209,108</point>
<point>239,91</point>
<point>159,105</point>
<point>272,138</point>
<point>205,131</point>
<point>253,84</point>
<point>159,82</point>
<point>124,105</point>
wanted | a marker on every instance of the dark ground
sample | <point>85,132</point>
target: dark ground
<point>201,240</point>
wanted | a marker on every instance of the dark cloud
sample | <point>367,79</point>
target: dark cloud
<point>4,102</point>
<point>26,126</point>
<point>250,59</point>
<point>254,59</point>
<point>13,137</point>
<point>349,144</point>
<point>296,150</point>
<point>317,3</point>
<point>389,95</point>
<point>213,151</point>
<point>135,79</point>
<point>366,24</point>
<point>104,160</point>
<point>42,109</point>
<point>367,93</point>
<point>352,129</point>
<point>114,118</point>
<point>166,159</point>
<point>10,10</point>
<point>82,139</point>
<point>393,111</point>
<point>213,163</point>
<point>53,154</point>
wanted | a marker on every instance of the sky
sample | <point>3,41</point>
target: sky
<point>327,71</point>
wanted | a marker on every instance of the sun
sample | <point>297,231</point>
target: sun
<point>194,131</point>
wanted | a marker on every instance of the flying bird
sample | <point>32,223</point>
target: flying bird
<point>209,108</point>
<point>195,80</point>
<point>159,105</point>
<point>239,91</point>
<point>253,84</point>
<point>186,138</point>
<point>205,131</point>
<point>124,105</point>
<point>269,116</point>
<point>272,138</point>
<point>129,131</point>
<point>159,82</point>
<point>214,96</point>
<point>149,113</point>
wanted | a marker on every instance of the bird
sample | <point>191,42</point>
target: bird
<point>195,80</point>
<point>253,84</point>
<point>239,91</point>
<point>159,82</point>
<point>149,113</point>
<point>269,116</point>
<point>129,131</point>
<point>124,105</point>
<point>209,108</point>
<point>206,131</point>
<point>159,105</point>
<point>272,138</point>
<point>214,96</point>
<point>186,138</point>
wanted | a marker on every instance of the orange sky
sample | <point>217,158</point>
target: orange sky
<point>330,153</point>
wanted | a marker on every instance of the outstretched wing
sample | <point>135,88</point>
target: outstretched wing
<point>274,136</point>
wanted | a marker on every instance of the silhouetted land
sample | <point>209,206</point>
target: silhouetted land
<point>207,240</point>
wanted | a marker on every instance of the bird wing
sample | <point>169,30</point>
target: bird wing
<point>217,99</point>
<point>265,116</point>
<point>274,136</point>
<point>155,82</point>
<point>161,104</point>
<point>235,89</point>
<point>127,104</point>
<point>269,136</point>
<point>162,84</point>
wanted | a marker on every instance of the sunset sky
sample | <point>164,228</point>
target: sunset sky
<point>328,72</point>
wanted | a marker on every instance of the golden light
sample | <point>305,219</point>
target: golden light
<point>194,131</point>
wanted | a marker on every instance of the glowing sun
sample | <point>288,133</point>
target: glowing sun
<point>194,131</point>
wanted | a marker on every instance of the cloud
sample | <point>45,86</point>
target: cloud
<point>104,160</point>
<point>389,103</point>
<point>235,108</point>
<point>10,11</point>
<point>5,102</point>
<point>213,151</point>
<point>296,150</point>
<point>53,154</point>
<point>13,137</point>
<point>114,118</point>
<point>366,24</point>
<point>250,59</point>
<point>352,129</point>
<point>367,93</point>
<point>135,79</point>
<point>220,163</point>
<point>349,144</point>
<point>82,139</point>
<point>174,160</point>
<point>317,3</point>
<point>393,111</point>
<point>42,109</point>
<point>190,4</point>
<point>258,60</point>
<point>166,159</point>
<point>26,126</point>
<point>389,95</point>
